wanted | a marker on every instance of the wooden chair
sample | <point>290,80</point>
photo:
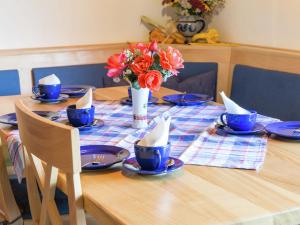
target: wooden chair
<point>50,147</point>
<point>9,211</point>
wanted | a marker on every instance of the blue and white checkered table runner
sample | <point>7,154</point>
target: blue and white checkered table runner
<point>192,135</point>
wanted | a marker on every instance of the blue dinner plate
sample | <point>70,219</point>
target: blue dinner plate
<point>61,98</point>
<point>132,165</point>
<point>258,128</point>
<point>187,99</point>
<point>101,156</point>
<point>128,101</point>
<point>285,129</point>
<point>75,91</point>
<point>11,118</point>
<point>96,124</point>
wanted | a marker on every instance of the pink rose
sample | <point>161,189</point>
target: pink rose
<point>171,60</point>
<point>116,64</point>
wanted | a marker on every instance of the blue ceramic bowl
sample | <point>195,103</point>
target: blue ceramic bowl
<point>47,91</point>
<point>80,117</point>
<point>152,158</point>
<point>130,94</point>
<point>240,122</point>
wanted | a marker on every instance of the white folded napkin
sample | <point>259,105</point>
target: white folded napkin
<point>48,80</point>
<point>159,135</point>
<point>231,106</point>
<point>86,101</point>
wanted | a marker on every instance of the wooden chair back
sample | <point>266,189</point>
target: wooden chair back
<point>50,147</point>
<point>9,211</point>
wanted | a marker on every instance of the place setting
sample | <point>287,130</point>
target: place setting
<point>237,120</point>
<point>11,118</point>
<point>187,99</point>
<point>128,100</point>
<point>152,153</point>
<point>95,157</point>
<point>82,114</point>
<point>76,91</point>
<point>288,130</point>
<point>49,90</point>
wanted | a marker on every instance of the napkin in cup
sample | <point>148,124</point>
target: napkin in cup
<point>86,101</point>
<point>231,106</point>
<point>159,135</point>
<point>49,80</point>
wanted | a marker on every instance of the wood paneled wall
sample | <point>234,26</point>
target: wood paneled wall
<point>226,56</point>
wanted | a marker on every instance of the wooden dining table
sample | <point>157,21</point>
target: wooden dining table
<point>194,195</point>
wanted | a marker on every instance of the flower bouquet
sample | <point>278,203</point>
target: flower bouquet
<point>202,8</point>
<point>144,66</point>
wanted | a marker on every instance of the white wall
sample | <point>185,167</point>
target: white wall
<point>43,23</point>
<point>273,23</point>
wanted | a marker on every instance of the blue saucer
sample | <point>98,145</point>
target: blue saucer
<point>285,129</point>
<point>61,98</point>
<point>75,91</point>
<point>96,124</point>
<point>101,156</point>
<point>132,165</point>
<point>128,101</point>
<point>258,128</point>
<point>187,99</point>
<point>11,118</point>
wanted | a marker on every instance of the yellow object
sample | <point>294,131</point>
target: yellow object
<point>211,36</point>
<point>169,32</point>
<point>160,37</point>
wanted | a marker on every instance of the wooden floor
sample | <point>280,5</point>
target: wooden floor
<point>89,221</point>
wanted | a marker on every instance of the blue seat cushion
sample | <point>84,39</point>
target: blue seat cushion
<point>91,74</point>
<point>195,78</point>
<point>9,82</point>
<point>20,193</point>
<point>271,93</point>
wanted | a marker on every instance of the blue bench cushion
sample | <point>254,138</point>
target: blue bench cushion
<point>91,74</point>
<point>269,92</point>
<point>195,78</point>
<point>9,82</point>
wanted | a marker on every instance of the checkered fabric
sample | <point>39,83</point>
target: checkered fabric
<point>190,138</point>
<point>214,147</point>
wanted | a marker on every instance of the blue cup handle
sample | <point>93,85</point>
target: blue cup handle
<point>157,152</point>
<point>222,119</point>
<point>36,92</point>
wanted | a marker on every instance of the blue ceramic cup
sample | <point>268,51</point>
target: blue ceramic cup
<point>239,122</point>
<point>152,158</point>
<point>130,94</point>
<point>51,91</point>
<point>80,117</point>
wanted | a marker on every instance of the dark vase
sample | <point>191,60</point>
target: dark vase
<point>188,26</point>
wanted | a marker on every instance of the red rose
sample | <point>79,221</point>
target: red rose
<point>152,80</point>
<point>171,60</point>
<point>141,64</point>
